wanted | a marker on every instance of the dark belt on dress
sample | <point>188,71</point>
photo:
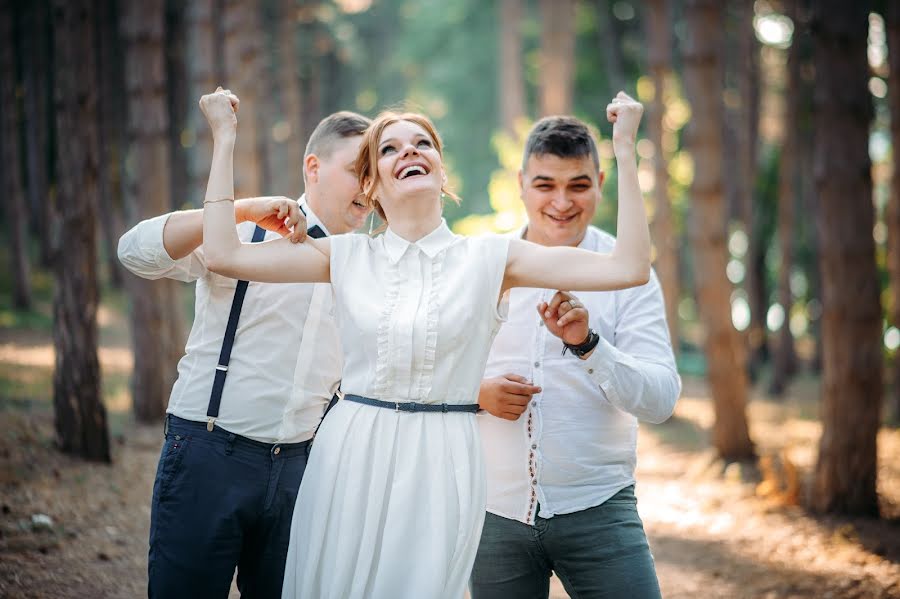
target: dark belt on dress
<point>413,406</point>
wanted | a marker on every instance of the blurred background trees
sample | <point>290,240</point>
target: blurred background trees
<point>767,162</point>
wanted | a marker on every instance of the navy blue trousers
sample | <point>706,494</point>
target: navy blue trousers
<point>220,502</point>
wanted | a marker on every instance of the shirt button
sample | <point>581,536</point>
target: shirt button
<point>537,364</point>
<point>590,371</point>
<point>534,445</point>
<point>534,481</point>
<point>277,450</point>
<point>540,323</point>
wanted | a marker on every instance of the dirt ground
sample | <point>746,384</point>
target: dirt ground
<point>714,531</point>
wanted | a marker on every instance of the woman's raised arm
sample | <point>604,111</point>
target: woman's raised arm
<point>573,269</point>
<point>278,261</point>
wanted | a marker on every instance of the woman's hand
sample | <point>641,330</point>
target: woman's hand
<point>220,109</point>
<point>624,112</point>
<point>273,213</point>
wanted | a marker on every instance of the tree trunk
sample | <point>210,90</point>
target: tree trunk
<point>177,100</point>
<point>725,352</point>
<point>609,46</point>
<point>784,361</point>
<point>112,81</point>
<point>293,146</point>
<point>557,63</point>
<point>243,74</point>
<point>658,20</point>
<point>333,66</point>
<point>157,331</point>
<point>512,83</point>
<point>17,215</point>
<point>735,107</point>
<point>310,67</point>
<point>746,146</point>
<point>807,254</point>
<point>203,24</point>
<point>892,216</point>
<point>851,323</point>
<point>35,84</point>
<point>81,427</point>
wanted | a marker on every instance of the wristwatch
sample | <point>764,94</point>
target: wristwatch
<point>584,348</point>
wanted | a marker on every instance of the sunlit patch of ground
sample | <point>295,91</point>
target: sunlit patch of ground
<point>714,535</point>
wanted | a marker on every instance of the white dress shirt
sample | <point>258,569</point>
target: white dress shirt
<point>575,445</point>
<point>286,361</point>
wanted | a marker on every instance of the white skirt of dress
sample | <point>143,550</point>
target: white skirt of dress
<point>391,507</point>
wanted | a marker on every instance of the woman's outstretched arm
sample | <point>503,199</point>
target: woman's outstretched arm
<point>278,261</point>
<point>573,269</point>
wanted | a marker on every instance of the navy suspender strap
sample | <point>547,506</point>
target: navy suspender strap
<point>316,232</point>
<point>215,398</point>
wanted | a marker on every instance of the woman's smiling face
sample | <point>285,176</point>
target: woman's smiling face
<point>408,163</point>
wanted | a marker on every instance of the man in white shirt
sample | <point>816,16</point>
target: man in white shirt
<point>560,430</point>
<point>235,448</point>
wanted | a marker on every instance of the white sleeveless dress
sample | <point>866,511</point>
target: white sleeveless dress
<point>392,504</point>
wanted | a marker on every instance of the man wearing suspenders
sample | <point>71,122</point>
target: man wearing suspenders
<point>261,364</point>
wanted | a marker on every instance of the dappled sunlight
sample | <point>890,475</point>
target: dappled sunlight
<point>111,358</point>
<point>736,531</point>
<point>508,211</point>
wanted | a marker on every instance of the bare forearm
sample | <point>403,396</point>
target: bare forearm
<point>219,235</point>
<point>632,234</point>
<point>183,232</point>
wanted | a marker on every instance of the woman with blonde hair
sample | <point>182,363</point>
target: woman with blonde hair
<point>394,493</point>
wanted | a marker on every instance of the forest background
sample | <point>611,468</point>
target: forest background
<point>767,159</point>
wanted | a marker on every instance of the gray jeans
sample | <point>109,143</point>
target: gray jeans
<point>597,552</point>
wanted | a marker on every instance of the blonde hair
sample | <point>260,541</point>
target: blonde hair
<point>367,159</point>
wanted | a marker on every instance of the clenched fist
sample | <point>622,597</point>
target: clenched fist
<point>220,109</point>
<point>624,112</point>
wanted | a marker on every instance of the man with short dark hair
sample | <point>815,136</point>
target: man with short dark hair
<point>235,449</point>
<point>563,391</point>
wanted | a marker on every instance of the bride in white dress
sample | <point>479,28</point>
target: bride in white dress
<point>392,501</point>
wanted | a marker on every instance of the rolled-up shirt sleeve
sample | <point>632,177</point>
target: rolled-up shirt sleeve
<point>142,252</point>
<point>638,374</point>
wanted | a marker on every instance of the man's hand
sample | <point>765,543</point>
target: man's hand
<point>220,109</point>
<point>273,213</point>
<point>506,396</point>
<point>565,317</point>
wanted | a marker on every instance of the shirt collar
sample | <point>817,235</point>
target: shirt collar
<point>311,218</point>
<point>585,243</point>
<point>433,243</point>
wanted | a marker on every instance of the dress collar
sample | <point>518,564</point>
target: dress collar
<point>433,243</point>
<point>311,218</point>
